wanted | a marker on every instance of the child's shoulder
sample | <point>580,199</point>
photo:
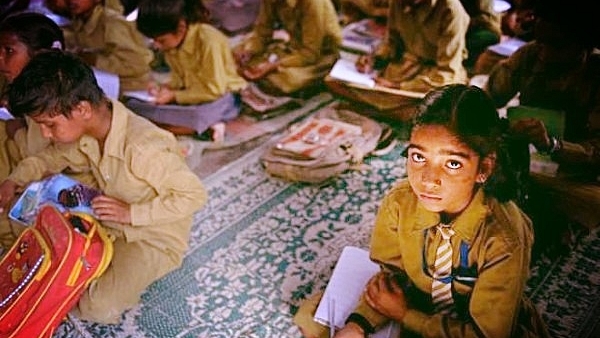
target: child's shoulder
<point>207,32</point>
<point>508,222</point>
<point>136,130</point>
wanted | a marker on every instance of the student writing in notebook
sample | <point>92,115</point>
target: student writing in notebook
<point>282,68</point>
<point>454,248</point>
<point>425,47</point>
<point>203,91</point>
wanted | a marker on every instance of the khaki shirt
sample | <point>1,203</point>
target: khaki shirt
<point>141,165</point>
<point>121,49</point>
<point>499,237</point>
<point>202,67</point>
<point>312,25</point>
<point>434,32</point>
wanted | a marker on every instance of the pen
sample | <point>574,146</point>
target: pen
<point>331,317</point>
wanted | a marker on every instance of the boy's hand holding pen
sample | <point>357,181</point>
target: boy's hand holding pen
<point>162,93</point>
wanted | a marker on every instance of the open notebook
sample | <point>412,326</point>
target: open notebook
<point>345,70</point>
<point>352,271</point>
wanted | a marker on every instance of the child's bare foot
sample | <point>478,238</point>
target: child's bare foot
<point>218,132</point>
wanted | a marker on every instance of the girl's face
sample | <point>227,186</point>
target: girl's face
<point>14,55</point>
<point>442,171</point>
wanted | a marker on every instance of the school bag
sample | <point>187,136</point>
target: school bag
<point>45,272</point>
<point>324,145</point>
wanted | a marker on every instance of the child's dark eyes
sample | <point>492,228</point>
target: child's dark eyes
<point>8,50</point>
<point>452,164</point>
<point>416,157</point>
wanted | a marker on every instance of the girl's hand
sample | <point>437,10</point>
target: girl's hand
<point>350,330</point>
<point>111,209</point>
<point>365,63</point>
<point>385,296</point>
<point>534,131</point>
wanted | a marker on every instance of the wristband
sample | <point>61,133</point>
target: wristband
<point>555,145</point>
<point>362,322</point>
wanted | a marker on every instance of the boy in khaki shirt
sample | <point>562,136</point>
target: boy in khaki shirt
<point>149,195</point>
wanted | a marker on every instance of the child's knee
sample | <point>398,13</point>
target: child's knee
<point>100,307</point>
<point>304,318</point>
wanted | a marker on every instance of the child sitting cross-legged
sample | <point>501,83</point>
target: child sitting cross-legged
<point>453,246</point>
<point>203,91</point>
<point>149,194</point>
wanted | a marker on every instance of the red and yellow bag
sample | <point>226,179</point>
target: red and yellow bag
<point>45,272</point>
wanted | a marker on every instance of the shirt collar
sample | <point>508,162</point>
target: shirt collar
<point>465,225</point>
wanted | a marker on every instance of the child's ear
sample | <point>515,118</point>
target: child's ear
<point>181,26</point>
<point>486,168</point>
<point>84,109</point>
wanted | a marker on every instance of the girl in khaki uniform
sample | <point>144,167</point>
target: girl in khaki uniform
<point>425,48</point>
<point>314,39</point>
<point>458,179</point>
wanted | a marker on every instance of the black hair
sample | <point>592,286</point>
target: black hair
<point>158,17</point>
<point>35,30</point>
<point>53,82</point>
<point>470,114</point>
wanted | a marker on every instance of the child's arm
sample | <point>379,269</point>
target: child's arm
<point>178,191</point>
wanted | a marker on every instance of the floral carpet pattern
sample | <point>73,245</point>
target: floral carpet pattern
<point>261,245</point>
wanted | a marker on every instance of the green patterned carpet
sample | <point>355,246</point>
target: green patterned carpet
<point>261,245</point>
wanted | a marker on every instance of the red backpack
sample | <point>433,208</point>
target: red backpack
<point>45,272</point>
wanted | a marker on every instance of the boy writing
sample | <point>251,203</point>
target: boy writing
<point>203,91</point>
<point>148,193</point>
